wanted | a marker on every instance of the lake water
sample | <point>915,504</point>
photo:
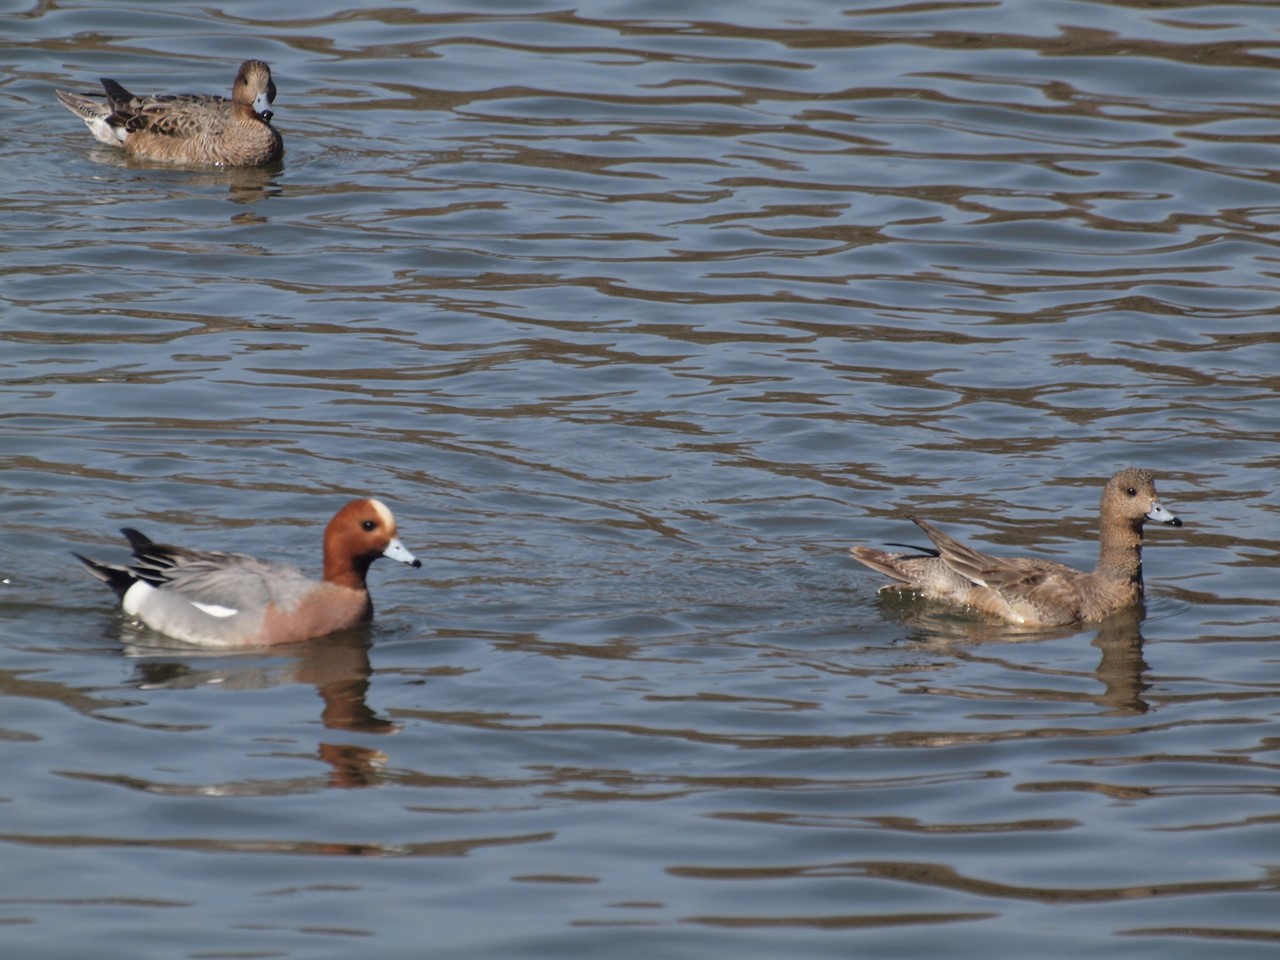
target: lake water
<point>639,315</point>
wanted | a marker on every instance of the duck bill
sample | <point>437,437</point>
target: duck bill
<point>262,106</point>
<point>396,551</point>
<point>1160,515</point>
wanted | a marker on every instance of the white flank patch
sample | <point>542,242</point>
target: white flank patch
<point>215,610</point>
<point>136,596</point>
<point>105,133</point>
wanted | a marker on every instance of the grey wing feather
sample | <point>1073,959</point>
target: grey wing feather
<point>213,577</point>
<point>1004,573</point>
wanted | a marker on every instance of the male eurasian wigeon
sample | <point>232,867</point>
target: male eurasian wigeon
<point>232,600</point>
<point>1030,591</point>
<point>199,129</point>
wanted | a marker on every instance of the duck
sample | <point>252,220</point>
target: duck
<point>1032,591</point>
<point>195,129</point>
<point>230,600</point>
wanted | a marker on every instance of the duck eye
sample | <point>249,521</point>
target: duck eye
<point>369,525</point>
<point>1131,492</point>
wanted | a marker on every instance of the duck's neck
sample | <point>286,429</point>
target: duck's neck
<point>346,571</point>
<point>1120,555</point>
<point>245,113</point>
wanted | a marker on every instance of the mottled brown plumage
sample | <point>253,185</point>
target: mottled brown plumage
<point>197,129</point>
<point>1031,591</point>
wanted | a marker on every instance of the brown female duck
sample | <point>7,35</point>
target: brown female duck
<point>197,129</point>
<point>1030,591</point>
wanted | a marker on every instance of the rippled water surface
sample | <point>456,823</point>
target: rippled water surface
<point>639,315</point>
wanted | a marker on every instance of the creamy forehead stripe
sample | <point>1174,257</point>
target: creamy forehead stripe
<point>383,513</point>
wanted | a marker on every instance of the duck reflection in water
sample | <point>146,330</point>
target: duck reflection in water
<point>1121,671</point>
<point>337,666</point>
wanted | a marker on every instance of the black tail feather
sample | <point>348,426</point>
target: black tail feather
<point>928,551</point>
<point>119,579</point>
<point>117,95</point>
<point>154,559</point>
<point>138,540</point>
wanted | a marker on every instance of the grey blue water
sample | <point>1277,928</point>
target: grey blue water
<point>638,315</point>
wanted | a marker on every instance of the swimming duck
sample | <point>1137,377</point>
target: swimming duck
<point>233,600</point>
<point>1030,591</point>
<point>198,129</point>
